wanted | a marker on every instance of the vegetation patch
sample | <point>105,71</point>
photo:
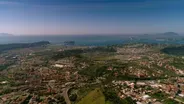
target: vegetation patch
<point>94,97</point>
<point>178,51</point>
<point>78,52</point>
<point>160,95</point>
<point>112,98</point>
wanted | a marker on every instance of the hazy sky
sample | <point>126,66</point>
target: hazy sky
<point>91,16</point>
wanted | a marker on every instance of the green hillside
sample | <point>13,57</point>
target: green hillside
<point>94,97</point>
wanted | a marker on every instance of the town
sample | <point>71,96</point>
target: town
<point>118,74</point>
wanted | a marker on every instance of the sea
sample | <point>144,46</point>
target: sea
<point>87,40</point>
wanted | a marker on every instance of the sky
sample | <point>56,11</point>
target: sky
<point>66,17</point>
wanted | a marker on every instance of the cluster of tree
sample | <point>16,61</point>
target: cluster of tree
<point>160,95</point>
<point>6,90</point>
<point>67,53</point>
<point>5,66</point>
<point>101,49</point>
<point>73,97</point>
<point>111,96</point>
<point>94,71</point>
<point>135,78</point>
<point>77,52</point>
<point>6,47</point>
<point>170,101</point>
<point>174,50</point>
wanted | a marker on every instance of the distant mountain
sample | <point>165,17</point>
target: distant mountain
<point>5,34</point>
<point>165,35</point>
<point>170,34</point>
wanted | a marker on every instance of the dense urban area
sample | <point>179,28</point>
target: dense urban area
<point>43,73</point>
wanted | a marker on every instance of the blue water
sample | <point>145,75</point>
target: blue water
<point>95,40</point>
<point>79,39</point>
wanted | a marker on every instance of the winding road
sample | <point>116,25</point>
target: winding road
<point>65,94</point>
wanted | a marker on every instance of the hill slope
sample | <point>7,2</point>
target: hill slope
<point>6,47</point>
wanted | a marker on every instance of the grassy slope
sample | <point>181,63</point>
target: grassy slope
<point>94,97</point>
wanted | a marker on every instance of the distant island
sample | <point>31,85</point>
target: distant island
<point>170,34</point>
<point>163,34</point>
<point>5,34</point>
<point>69,43</point>
<point>6,47</point>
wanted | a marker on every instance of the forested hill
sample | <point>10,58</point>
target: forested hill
<point>174,50</point>
<point>6,47</point>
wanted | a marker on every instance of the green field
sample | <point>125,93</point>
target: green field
<point>94,97</point>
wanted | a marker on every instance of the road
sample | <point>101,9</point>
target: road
<point>179,101</point>
<point>65,94</point>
